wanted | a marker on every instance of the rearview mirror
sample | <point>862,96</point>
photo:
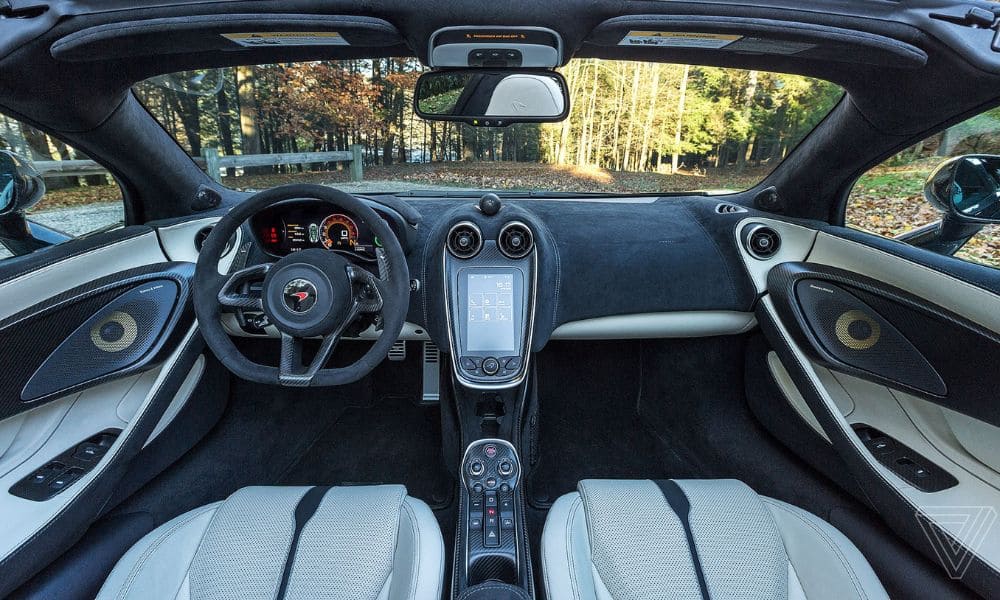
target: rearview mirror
<point>967,188</point>
<point>491,98</point>
<point>21,187</point>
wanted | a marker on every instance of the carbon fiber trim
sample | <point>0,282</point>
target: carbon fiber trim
<point>32,335</point>
<point>963,363</point>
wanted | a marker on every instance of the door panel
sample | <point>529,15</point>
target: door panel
<point>111,367</point>
<point>951,325</point>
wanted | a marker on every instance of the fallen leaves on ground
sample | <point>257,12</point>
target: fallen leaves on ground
<point>887,201</point>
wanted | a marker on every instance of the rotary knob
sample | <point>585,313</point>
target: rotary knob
<point>505,467</point>
<point>491,366</point>
<point>476,468</point>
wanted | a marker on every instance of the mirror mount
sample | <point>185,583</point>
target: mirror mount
<point>492,97</point>
<point>966,191</point>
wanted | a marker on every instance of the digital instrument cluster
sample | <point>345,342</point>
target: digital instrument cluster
<point>286,228</point>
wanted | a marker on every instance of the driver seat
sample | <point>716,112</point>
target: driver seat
<point>290,542</point>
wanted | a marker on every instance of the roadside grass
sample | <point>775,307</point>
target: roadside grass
<point>886,201</point>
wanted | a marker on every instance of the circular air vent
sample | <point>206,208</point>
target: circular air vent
<point>515,240</point>
<point>202,235</point>
<point>465,240</point>
<point>761,241</point>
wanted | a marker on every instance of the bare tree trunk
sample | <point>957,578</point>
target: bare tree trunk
<point>650,113</point>
<point>631,115</point>
<point>675,156</point>
<point>250,135</point>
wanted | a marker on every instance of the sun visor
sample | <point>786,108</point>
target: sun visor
<point>685,35</point>
<point>215,33</point>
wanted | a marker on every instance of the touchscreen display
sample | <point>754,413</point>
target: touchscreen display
<point>491,313</point>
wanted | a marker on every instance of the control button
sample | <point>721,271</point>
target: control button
<point>477,488</point>
<point>475,522</point>
<point>62,481</point>
<point>505,467</point>
<point>491,366</point>
<point>490,450</point>
<point>491,537</point>
<point>507,522</point>
<point>491,511</point>
<point>504,488</point>
<point>89,452</point>
<point>506,504</point>
<point>491,482</point>
<point>513,363</point>
<point>476,504</point>
<point>476,468</point>
<point>470,363</point>
<point>491,499</point>
<point>492,521</point>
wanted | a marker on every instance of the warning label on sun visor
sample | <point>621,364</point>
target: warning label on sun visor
<point>678,39</point>
<point>287,38</point>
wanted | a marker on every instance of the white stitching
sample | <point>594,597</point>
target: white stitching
<point>415,529</point>
<point>148,552</point>
<point>829,542</point>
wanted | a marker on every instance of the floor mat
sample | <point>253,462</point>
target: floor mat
<point>589,426</point>
<point>394,440</point>
<point>365,432</point>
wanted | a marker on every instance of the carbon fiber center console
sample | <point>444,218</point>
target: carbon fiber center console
<point>492,534</point>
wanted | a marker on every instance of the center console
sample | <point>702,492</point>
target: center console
<point>491,541</point>
<point>489,288</point>
<point>490,272</point>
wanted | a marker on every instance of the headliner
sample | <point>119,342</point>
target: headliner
<point>924,73</point>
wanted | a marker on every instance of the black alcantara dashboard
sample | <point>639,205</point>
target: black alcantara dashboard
<point>490,286</point>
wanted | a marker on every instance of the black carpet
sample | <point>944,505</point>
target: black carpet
<point>392,441</point>
<point>588,420</point>
<point>371,431</point>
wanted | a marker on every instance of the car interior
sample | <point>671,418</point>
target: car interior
<point>301,390</point>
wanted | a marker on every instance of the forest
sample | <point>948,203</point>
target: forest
<point>626,116</point>
<point>633,127</point>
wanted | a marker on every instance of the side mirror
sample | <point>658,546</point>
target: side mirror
<point>491,98</point>
<point>21,187</point>
<point>966,189</point>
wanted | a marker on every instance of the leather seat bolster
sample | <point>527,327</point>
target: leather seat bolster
<point>826,563</point>
<point>742,542</point>
<point>418,561</point>
<point>161,559</point>
<point>320,543</point>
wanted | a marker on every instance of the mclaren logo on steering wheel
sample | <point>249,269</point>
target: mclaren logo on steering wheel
<point>299,295</point>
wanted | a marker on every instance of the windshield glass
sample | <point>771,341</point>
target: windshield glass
<point>634,127</point>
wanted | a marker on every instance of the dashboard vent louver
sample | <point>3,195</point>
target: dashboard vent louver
<point>201,236</point>
<point>762,242</point>
<point>465,240</point>
<point>729,209</point>
<point>515,240</point>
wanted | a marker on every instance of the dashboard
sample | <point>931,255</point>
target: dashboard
<point>298,225</point>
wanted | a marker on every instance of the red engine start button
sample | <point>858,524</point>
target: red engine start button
<point>491,451</point>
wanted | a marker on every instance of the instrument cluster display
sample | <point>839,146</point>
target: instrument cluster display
<point>286,228</point>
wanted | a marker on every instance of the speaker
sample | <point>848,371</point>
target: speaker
<point>855,335</point>
<point>116,337</point>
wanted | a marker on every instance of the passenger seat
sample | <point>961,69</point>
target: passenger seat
<point>695,539</point>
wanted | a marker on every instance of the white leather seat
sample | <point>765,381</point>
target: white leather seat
<point>718,539</point>
<point>290,542</point>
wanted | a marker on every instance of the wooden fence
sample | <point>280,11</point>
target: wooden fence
<point>214,163</point>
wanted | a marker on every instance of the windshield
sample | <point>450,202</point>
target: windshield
<point>633,127</point>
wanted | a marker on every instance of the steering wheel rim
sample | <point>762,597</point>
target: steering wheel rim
<point>213,291</point>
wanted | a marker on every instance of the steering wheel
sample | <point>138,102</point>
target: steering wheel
<point>307,294</point>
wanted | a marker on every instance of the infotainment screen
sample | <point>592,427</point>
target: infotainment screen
<point>491,326</point>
